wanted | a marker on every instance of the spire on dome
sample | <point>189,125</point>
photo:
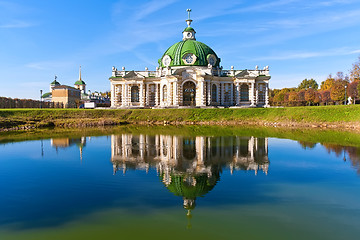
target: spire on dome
<point>189,32</point>
<point>80,74</point>
<point>188,21</point>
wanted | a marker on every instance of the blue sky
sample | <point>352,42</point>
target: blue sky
<point>298,39</point>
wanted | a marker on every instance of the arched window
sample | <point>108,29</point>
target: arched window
<point>165,93</point>
<point>135,94</point>
<point>261,92</point>
<point>189,94</point>
<point>244,93</point>
<point>214,93</point>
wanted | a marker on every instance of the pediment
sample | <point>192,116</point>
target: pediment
<point>242,74</point>
<point>133,74</point>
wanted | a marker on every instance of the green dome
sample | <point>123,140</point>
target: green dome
<point>55,82</point>
<point>79,82</point>
<point>189,29</point>
<point>179,187</point>
<point>178,51</point>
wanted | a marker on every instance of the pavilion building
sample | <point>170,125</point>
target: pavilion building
<point>189,74</point>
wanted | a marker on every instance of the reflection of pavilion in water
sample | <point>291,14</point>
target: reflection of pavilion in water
<point>189,166</point>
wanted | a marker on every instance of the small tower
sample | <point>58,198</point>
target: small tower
<point>54,84</point>
<point>189,32</point>
<point>80,84</point>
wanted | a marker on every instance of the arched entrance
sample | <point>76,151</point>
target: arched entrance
<point>135,94</point>
<point>189,94</point>
<point>214,94</point>
<point>244,93</point>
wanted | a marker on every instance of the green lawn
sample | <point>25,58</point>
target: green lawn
<point>324,114</point>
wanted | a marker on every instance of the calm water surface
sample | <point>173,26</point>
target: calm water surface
<point>174,187</point>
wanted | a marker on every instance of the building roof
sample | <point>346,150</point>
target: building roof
<point>177,52</point>
<point>180,187</point>
<point>46,95</point>
<point>65,87</point>
<point>189,52</point>
<point>80,82</point>
<point>189,29</point>
<point>55,82</point>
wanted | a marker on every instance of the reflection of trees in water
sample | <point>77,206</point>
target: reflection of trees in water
<point>353,153</point>
<point>307,145</point>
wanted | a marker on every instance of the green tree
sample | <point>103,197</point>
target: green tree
<point>306,84</point>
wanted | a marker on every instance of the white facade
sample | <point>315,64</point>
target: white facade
<point>194,86</point>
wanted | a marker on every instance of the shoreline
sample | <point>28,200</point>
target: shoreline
<point>343,118</point>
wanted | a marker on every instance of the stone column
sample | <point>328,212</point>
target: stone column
<point>222,93</point>
<point>256,95</point>
<point>238,94</point>
<point>147,97</point>
<point>267,95</point>
<point>218,94</point>
<point>141,95</point>
<point>201,90</point>
<point>161,94</point>
<point>156,94</point>
<point>175,94</point>
<point>209,94</point>
<point>251,95</point>
<point>112,95</point>
<point>231,94</point>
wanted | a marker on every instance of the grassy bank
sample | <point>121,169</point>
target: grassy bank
<point>327,116</point>
<point>303,136</point>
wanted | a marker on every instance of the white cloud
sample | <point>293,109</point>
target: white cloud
<point>280,56</point>
<point>151,7</point>
<point>46,65</point>
<point>17,24</point>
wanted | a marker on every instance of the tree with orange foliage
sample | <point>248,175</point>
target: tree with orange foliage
<point>317,98</point>
<point>293,98</point>
<point>352,90</point>
<point>355,71</point>
<point>328,83</point>
<point>310,95</point>
<point>325,96</point>
<point>301,97</point>
<point>337,91</point>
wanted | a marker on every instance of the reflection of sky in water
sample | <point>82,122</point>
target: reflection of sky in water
<point>58,187</point>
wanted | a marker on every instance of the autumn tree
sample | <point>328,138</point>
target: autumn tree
<point>301,97</point>
<point>355,71</point>
<point>310,95</point>
<point>325,96</point>
<point>328,83</point>
<point>352,90</point>
<point>279,98</point>
<point>293,98</point>
<point>317,98</point>
<point>337,91</point>
<point>306,84</point>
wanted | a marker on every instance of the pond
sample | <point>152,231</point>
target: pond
<point>180,183</point>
